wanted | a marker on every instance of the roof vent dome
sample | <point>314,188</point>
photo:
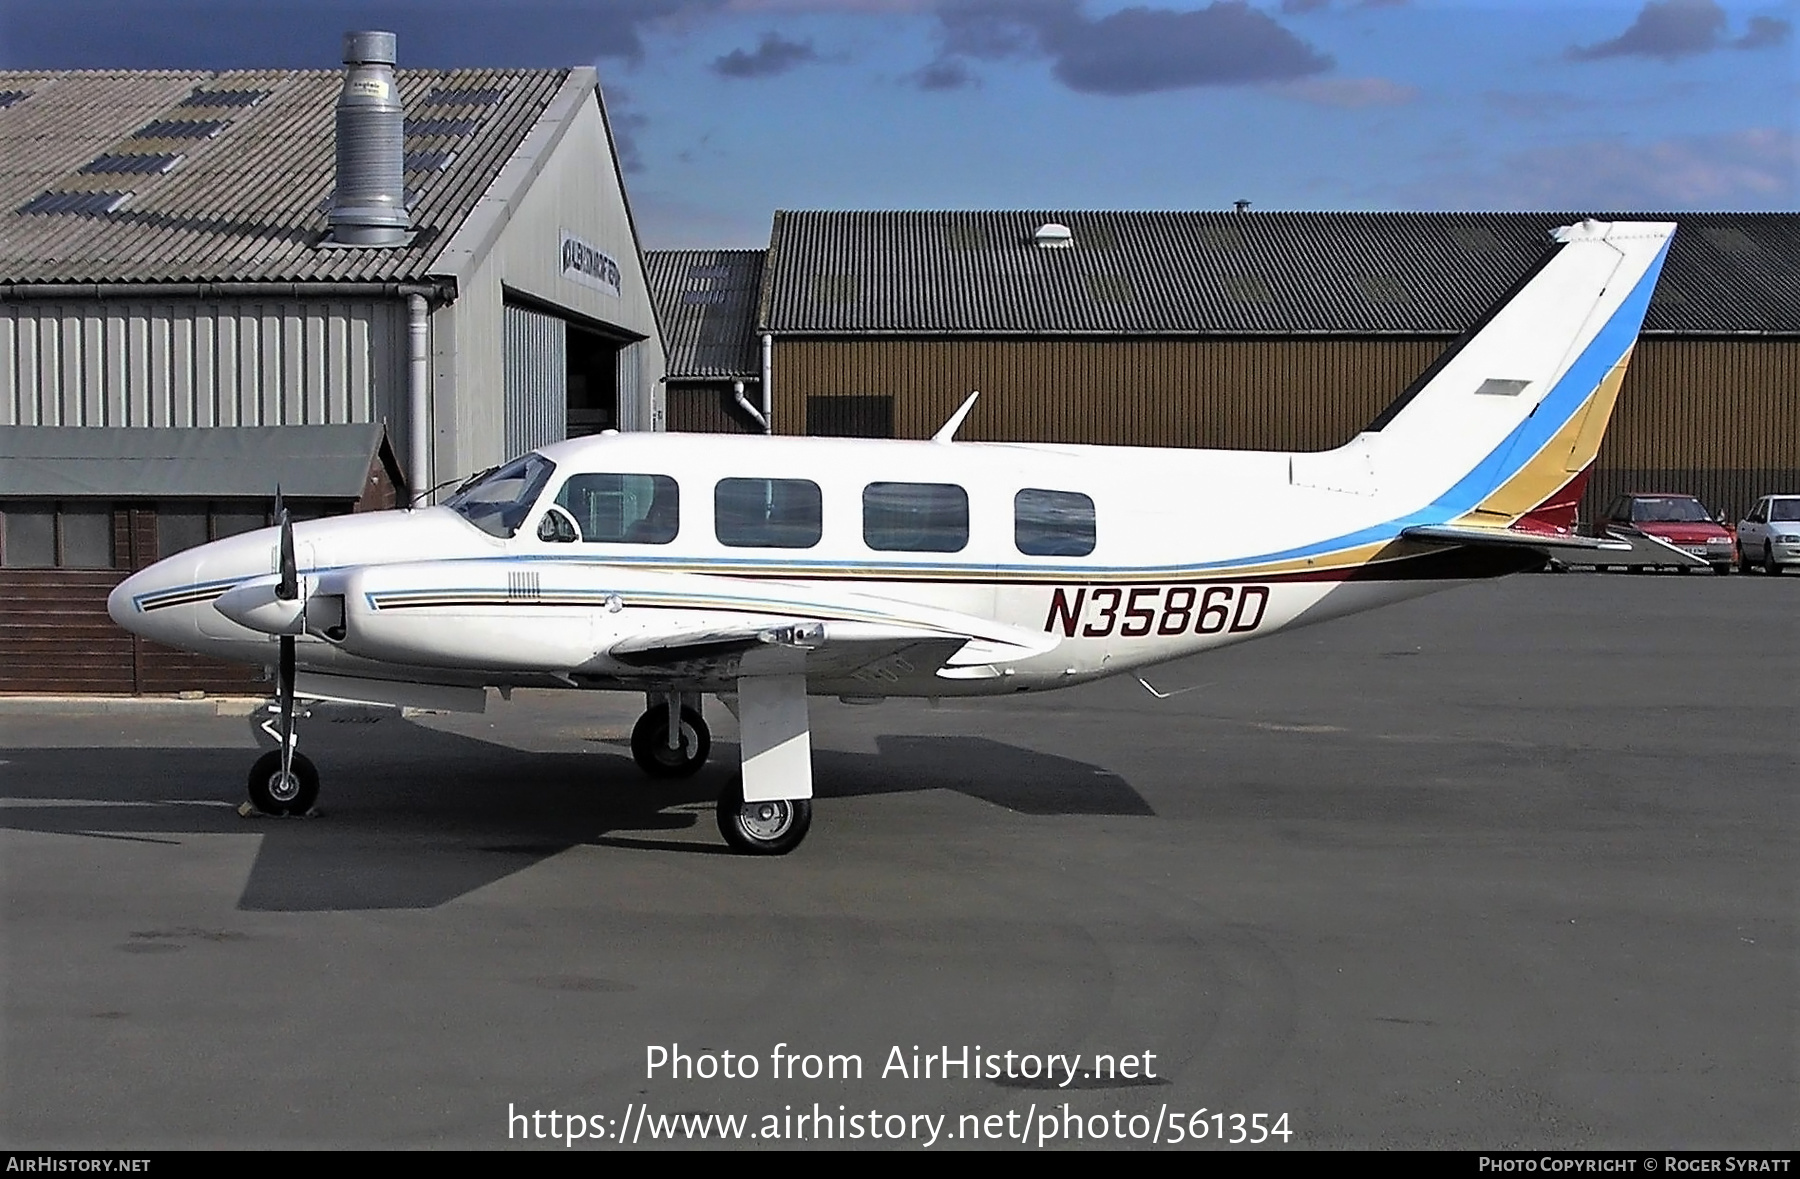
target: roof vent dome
<point>1053,235</point>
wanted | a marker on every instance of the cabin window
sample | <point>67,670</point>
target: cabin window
<point>1053,523</point>
<point>768,513</point>
<point>915,517</point>
<point>623,509</point>
<point>56,536</point>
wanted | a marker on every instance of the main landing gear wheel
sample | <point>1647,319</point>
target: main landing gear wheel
<point>762,828</point>
<point>274,793</point>
<point>650,743</point>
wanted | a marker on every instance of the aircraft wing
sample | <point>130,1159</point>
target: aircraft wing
<point>1481,535</point>
<point>817,647</point>
<point>813,647</point>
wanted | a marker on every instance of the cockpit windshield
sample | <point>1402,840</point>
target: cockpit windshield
<point>498,503</point>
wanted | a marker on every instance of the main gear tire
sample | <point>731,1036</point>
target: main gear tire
<point>772,828</point>
<point>650,744</point>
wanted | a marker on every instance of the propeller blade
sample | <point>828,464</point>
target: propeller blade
<point>289,588</point>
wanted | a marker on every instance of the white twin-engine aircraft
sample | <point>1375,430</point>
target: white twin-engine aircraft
<point>768,569</point>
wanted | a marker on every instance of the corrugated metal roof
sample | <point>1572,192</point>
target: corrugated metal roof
<point>1251,273</point>
<point>306,462</point>
<point>706,301</point>
<point>246,202</point>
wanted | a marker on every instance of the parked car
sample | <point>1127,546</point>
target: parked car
<point>1680,521</point>
<point>1770,535</point>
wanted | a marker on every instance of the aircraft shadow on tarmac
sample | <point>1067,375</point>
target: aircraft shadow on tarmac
<point>421,817</point>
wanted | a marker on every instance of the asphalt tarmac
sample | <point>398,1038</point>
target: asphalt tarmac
<point>1509,867</point>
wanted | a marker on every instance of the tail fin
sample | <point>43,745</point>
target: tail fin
<point>1503,429</point>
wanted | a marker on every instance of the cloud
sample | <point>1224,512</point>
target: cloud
<point>225,34</point>
<point>1536,104</point>
<point>774,54</point>
<point>1134,50</point>
<point>1348,93</point>
<point>1301,6</point>
<point>946,73</point>
<point>627,123</point>
<point>1754,168</point>
<point>830,6</point>
<point>1764,31</point>
<point>1671,29</point>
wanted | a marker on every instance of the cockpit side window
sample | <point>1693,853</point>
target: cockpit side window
<point>623,509</point>
<point>499,502</point>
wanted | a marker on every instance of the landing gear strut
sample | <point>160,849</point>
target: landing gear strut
<point>283,781</point>
<point>671,739</point>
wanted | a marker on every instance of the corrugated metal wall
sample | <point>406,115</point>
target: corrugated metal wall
<point>1719,419</point>
<point>537,379</point>
<point>1273,394</point>
<point>1715,418</point>
<point>708,409</point>
<point>190,363</point>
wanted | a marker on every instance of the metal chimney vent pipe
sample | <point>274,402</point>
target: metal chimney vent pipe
<point>369,206</point>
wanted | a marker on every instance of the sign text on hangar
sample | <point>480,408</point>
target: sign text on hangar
<point>589,265</point>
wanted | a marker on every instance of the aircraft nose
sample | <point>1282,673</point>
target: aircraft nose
<point>145,602</point>
<point>120,603</point>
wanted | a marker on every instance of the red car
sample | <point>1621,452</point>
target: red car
<point>1677,520</point>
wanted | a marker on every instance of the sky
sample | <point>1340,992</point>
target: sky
<point>726,110</point>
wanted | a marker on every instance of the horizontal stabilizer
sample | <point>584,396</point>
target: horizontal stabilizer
<point>1470,534</point>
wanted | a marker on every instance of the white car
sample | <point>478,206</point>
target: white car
<point>1770,535</point>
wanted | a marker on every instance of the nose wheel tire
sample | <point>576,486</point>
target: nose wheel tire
<point>762,828</point>
<point>272,793</point>
<point>650,743</point>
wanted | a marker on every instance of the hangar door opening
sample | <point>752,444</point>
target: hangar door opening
<point>563,379</point>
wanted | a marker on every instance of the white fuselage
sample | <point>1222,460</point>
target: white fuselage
<point>1190,550</point>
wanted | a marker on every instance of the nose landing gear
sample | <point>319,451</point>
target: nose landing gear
<point>283,782</point>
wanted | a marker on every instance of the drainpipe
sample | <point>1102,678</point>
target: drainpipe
<point>418,392</point>
<point>756,415</point>
<point>768,383</point>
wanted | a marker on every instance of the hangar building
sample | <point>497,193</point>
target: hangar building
<point>443,257</point>
<point>1221,329</point>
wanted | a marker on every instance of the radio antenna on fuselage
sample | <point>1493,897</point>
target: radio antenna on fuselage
<point>947,432</point>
